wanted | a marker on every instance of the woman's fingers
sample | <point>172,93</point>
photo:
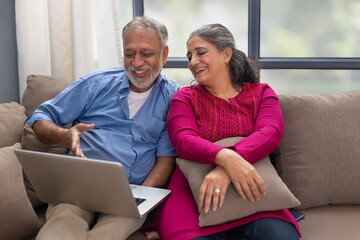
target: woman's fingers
<point>202,194</point>
<point>243,175</point>
<point>216,199</point>
<point>239,189</point>
<point>248,192</point>
<point>255,185</point>
<point>260,184</point>
<point>208,199</point>
<point>222,195</point>
<point>212,198</point>
<point>250,189</point>
<point>213,190</point>
<point>212,195</point>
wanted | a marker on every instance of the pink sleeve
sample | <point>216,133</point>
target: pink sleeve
<point>183,131</point>
<point>268,131</point>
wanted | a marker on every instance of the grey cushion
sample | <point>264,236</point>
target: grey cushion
<point>40,89</point>
<point>12,117</point>
<point>319,155</point>
<point>18,219</point>
<point>278,195</point>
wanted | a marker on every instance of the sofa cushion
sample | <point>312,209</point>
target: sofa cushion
<point>18,219</point>
<point>12,117</point>
<point>331,222</point>
<point>277,195</point>
<point>319,155</point>
<point>40,89</point>
<point>30,141</point>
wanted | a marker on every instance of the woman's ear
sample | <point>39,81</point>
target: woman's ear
<point>227,54</point>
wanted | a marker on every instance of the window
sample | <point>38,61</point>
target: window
<point>125,13</point>
<point>308,81</point>
<point>301,46</point>
<point>183,16</point>
<point>182,75</point>
<point>319,28</point>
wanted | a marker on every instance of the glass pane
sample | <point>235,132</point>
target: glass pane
<point>182,76</point>
<point>181,17</point>
<point>307,28</point>
<point>125,12</point>
<point>311,81</point>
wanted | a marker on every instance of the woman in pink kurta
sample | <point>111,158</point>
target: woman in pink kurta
<point>226,102</point>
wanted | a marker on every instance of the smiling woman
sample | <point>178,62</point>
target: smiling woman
<point>227,102</point>
<point>205,60</point>
<point>212,54</point>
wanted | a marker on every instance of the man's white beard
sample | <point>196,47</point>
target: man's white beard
<point>140,83</point>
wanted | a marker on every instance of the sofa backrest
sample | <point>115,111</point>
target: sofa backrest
<point>319,155</point>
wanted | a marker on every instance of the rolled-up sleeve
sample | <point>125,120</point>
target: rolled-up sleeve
<point>65,107</point>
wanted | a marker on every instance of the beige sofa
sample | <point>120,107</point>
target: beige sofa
<point>318,159</point>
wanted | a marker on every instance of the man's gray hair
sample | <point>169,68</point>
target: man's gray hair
<point>147,22</point>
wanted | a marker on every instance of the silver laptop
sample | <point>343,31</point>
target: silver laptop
<point>96,185</point>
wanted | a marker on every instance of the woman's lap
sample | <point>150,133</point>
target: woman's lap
<point>261,229</point>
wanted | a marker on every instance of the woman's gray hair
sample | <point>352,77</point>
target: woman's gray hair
<point>147,22</point>
<point>241,68</point>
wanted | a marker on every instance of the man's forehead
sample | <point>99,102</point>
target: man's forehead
<point>142,41</point>
<point>142,49</point>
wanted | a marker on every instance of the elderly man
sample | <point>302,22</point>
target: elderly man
<point>117,114</point>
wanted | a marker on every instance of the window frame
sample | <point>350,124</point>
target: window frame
<point>254,48</point>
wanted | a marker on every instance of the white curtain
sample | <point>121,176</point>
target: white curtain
<point>66,39</point>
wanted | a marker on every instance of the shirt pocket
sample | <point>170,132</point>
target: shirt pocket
<point>153,129</point>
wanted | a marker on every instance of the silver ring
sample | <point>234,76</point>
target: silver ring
<point>251,184</point>
<point>217,190</point>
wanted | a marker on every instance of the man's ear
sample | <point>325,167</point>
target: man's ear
<point>227,54</point>
<point>165,54</point>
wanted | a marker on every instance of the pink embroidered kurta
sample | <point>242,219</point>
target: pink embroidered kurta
<point>196,120</point>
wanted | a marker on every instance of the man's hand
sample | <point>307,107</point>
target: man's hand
<point>51,133</point>
<point>73,138</point>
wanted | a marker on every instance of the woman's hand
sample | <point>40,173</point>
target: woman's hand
<point>213,189</point>
<point>243,175</point>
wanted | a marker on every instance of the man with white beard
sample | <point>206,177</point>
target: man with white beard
<point>117,114</point>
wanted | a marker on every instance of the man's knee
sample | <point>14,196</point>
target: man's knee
<point>64,227</point>
<point>68,210</point>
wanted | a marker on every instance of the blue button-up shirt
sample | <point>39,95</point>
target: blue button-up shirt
<point>101,98</point>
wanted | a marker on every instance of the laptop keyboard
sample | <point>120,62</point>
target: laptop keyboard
<point>139,200</point>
